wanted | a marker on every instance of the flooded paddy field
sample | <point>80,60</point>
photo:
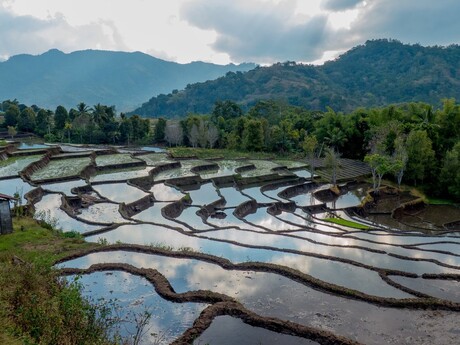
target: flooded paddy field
<point>61,168</point>
<point>14,165</point>
<point>261,255</point>
<point>115,159</point>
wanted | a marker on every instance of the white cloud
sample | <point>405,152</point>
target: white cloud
<point>260,31</point>
<point>28,34</point>
<point>426,22</point>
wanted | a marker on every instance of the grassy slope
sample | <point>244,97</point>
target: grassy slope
<point>37,246</point>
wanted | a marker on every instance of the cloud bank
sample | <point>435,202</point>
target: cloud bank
<point>27,34</point>
<point>264,31</point>
<point>261,31</point>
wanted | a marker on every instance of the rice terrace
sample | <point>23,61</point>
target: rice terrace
<point>226,251</point>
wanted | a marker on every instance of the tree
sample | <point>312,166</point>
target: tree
<point>253,136</point>
<point>309,145</point>
<point>420,155</point>
<point>100,116</point>
<point>203,134</point>
<point>126,130</point>
<point>26,120</point>
<point>12,115</point>
<point>80,126</point>
<point>141,128</point>
<point>43,122</point>
<point>213,135</point>
<point>380,165</point>
<point>159,132</point>
<point>60,117</point>
<point>332,164</point>
<point>12,131</point>
<point>173,134</point>
<point>450,172</point>
<point>193,136</point>
<point>227,110</point>
<point>68,128</point>
<point>384,136</point>
<point>82,108</point>
<point>448,120</point>
<point>400,159</point>
<point>331,130</point>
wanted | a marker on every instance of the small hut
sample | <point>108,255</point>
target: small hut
<point>6,224</point>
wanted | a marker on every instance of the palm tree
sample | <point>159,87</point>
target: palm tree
<point>99,114</point>
<point>82,108</point>
<point>68,127</point>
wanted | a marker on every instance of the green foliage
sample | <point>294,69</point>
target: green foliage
<point>26,120</point>
<point>413,138</point>
<point>11,115</point>
<point>348,223</point>
<point>72,234</point>
<point>43,122</point>
<point>253,136</point>
<point>332,164</point>
<point>12,131</point>
<point>380,165</point>
<point>61,116</point>
<point>226,110</point>
<point>51,311</point>
<point>159,132</point>
<point>420,155</point>
<point>450,172</point>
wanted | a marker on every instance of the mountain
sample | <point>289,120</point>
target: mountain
<point>380,72</point>
<point>91,76</point>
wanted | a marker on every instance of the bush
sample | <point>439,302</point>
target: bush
<point>47,309</point>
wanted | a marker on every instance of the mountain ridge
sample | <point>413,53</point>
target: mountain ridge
<point>377,73</point>
<point>124,79</point>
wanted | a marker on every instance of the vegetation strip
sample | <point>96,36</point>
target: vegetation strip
<point>348,223</point>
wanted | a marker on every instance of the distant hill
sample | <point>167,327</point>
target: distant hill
<point>380,72</point>
<point>91,76</point>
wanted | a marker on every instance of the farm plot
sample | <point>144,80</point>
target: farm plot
<point>61,169</point>
<point>225,256</point>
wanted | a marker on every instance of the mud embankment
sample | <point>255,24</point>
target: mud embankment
<point>279,207</point>
<point>296,190</point>
<point>247,207</point>
<point>29,170</point>
<point>174,209</point>
<point>147,182</point>
<point>131,209</point>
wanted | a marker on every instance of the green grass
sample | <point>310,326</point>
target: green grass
<point>35,305</point>
<point>36,244</point>
<point>348,223</point>
<point>440,201</point>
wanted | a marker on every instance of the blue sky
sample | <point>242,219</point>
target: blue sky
<point>222,31</point>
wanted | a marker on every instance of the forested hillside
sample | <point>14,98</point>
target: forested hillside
<point>116,78</point>
<point>378,73</point>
